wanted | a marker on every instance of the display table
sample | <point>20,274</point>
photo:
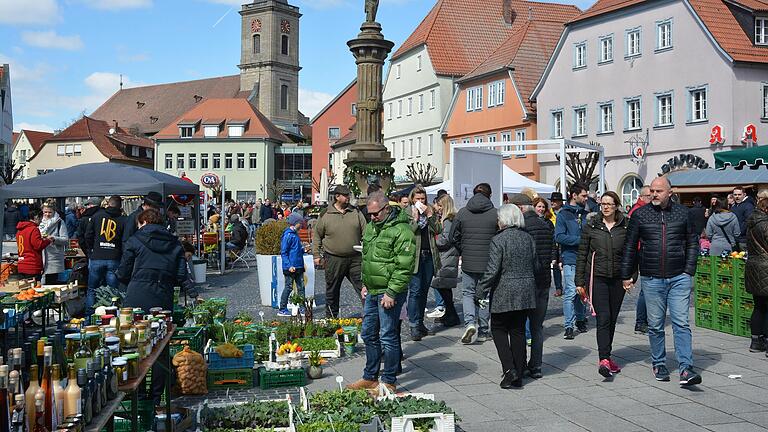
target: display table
<point>131,387</point>
<point>106,418</point>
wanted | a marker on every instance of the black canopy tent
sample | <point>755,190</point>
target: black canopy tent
<point>102,179</point>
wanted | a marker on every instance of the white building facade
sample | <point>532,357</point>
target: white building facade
<point>6,111</point>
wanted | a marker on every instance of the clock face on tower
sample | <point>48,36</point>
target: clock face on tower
<point>256,25</point>
<point>285,26</point>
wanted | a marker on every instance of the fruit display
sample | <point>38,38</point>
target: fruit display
<point>289,348</point>
<point>26,295</point>
<point>191,372</point>
<point>739,255</point>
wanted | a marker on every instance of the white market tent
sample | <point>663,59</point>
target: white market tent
<point>512,182</point>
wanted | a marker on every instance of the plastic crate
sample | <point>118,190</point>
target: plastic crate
<point>146,411</point>
<point>744,326</point>
<point>745,306</point>
<point>9,320</point>
<point>704,300</point>
<point>738,268</point>
<point>230,379</point>
<point>704,265</point>
<point>724,323</point>
<point>216,362</point>
<point>723,267</point>
<point>704,319</point>
<point>704,282</point>
<point>724,284</point>
<point>282,378</point>
<point>194,337</point>
<point>725,304</point>
<point>178,315</point>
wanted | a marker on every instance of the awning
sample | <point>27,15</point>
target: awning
<point>748,157</point>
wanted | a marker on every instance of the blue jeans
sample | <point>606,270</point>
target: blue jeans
<point>573,307</point>
<point>290,278</point>
<point>642,312</point>
<point>673,293</point>
<point>99,273</point>
<point>472,315</point>
<point>557,276</point>
<point>382,338</point>
<point>439,302</point>
<point>231,246</point>
<point>418,289</point>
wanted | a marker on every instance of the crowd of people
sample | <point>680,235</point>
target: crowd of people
<point>594,249</point>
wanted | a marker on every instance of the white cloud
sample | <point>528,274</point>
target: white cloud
<point>50,39</point>
<point>33,126</point>
<point>23,73</point>
<point>29,11</point>
<point>118,4</point>
<point>311,102</point>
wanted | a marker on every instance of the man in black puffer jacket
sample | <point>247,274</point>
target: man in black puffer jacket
<point>668,252</point>
<point>472,231</point>
<point>543,233</point>
<point>92,206</point>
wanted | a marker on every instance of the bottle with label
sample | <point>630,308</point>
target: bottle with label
<point>40,358</point>
<point>5,415</point>
<point>19,416</point>
<point>83,354</point>
<point>111,378</point>
<point>85,396</point>
<point>72,396</point>
<point>30,396</point>
<point>39,414</point>
<point>58,394</point>
<point>93,387</point>
<point>47,385</point>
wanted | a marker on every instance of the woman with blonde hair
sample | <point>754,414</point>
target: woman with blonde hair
<point>447,276</point>
<point>424,225</point>
<point>54,228</point>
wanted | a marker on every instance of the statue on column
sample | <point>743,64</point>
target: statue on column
<point>371,7</point>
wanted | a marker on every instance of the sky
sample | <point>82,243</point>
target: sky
<point>66,56</point>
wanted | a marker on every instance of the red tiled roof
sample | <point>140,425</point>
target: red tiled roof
<point>151,108</point>
<point>97,131</point>
<point>349,138</point>
<point>14,137</point>
<point>227,109</point>
<point>460,34</point>
<point>36,138</point>
<point>717,18</point>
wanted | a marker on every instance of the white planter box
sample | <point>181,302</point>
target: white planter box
<point>272,281</point>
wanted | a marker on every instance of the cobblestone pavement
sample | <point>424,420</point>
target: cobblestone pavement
<point>571,396</point>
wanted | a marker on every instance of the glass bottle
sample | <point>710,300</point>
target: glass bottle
<point>19,416</point>
<point>85,396</point>
<point>72,398</point>
<point>83,354</point>
<point>94,381</point>
<point>39,414</point>
<point>30,396</point>
<point>26,362</point>
<point>58,393</point>
<point>13,385</point>
<point>40,358</point>
<point>5,415</point>
<point>47,385</point>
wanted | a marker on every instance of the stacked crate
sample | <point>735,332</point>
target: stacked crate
<point>704,292</point>
<point>722,304</point>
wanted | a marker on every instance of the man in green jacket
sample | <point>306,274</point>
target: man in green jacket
<point>389,254</point>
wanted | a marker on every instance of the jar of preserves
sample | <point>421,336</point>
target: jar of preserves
<point>72,343</point>
<point>120,367</point>
<point>128,336</point>
<point>155,311</point>
<point>138,315</point>
<point>113,343</point>
<point>126,316</point>
<point>93,340</point>
<point>133,365</point>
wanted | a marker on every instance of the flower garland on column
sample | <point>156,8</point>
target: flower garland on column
<point>352,171</point>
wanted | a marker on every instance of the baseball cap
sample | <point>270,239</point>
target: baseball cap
<point>340,189</point>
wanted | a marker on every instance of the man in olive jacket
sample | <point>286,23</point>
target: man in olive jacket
<point>389,254</point>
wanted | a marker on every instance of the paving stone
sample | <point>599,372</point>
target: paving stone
<point>664,422</point>
<point>557,427</point>
<point>736,427</point>
<point>695,414</point>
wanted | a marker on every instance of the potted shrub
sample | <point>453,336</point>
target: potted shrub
<point>315,370</point>
<point>270,265</point>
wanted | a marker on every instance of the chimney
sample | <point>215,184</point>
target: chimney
<point>114,125</point>
<point>507,12</point>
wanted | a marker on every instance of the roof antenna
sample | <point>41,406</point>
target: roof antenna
<point>121,81</point>
<point>530,13</point>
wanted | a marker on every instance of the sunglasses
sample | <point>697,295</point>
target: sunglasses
<point>376,214</point>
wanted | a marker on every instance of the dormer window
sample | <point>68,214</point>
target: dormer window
<point>211,131</point>
<point>134,151</point>
<point>761,31</point>
<point>235,131</point>
<point>186,131</point>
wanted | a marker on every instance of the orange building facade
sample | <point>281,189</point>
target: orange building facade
<point>333,122</point>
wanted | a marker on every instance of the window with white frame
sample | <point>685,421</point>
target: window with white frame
<point>211,131</point>
<point>633,42</point>
<point>168,160</point>
<point>410,105</point>
<point>432,99</point>
<point>475,98</point>
<point>606,117</point>
<point>227,160</point>
<point>203,160</point>
<point>192,159</point>
<point>506,137</point>
<point>557,124</point>
<point>354,110</point>
<point>77,150</point>
<point>520,136</point>
<point>241,161</point>
<point>418,146</point>
<point>664,109</point>
<point>606,49</point>
<point>235,131</point>
<point>478,139</point>
<point>402,149</point>
<point>134,151</point>
<point>410,148</point>
<point>580,55</point>
<point>186,131</point>
<point>761,31</point>
<point>252,159</point>
<point>633,114</point>
<point>397,71</point>
<point>216,160</point>
<point>179,160</point>
<point>430,144</point>
<point>664,35</point>
<point>765,100</point>
<point>418,63</point>
<point>399,108</point>
<point>334,133</point>
<point>630,190</point>
<point>389,111</point>
<point>421,103</point>
<point>579,121</point>
<point>61,150</point>
<point>496,93</point>
<point>465,140</point>
<point>697,104</point>
<point>492,138</point>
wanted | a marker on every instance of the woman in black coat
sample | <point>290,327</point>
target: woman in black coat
<point>598,264</point>
<point>756,270</point>
<point>152,265</point>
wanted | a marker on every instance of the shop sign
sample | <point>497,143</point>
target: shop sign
<point>750,135</point>
<point>209,180</point>
<point>185,227</point>
<point>683,161</point>
<point>637,147</point>
<point>716,136</point>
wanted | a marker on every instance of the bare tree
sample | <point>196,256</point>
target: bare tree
<point>581,167</point>
<point>9,173</point>
<point>316,182</point>
<point>423,174</point>
<point>276,190</point>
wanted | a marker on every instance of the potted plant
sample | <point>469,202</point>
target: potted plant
<point>270,265</point>
<point>315,365</point>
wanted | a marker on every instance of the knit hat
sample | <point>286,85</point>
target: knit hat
<point>520,199</point>
<point>234,218</point>
<point>294,219</point>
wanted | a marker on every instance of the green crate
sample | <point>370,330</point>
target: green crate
<point>725,304</point>
<point>282,378</point>
<point>230,379</point>
<point>724,323</point>
<point>738,268</point>
<point>743,326</point>
<point>704,319</point>
<point>704,300</point>
<point>704,265</point>
<point>192,336</point>
<point>723,267</point>
<point>745,305</point>
<point>704,282</point>
<point>724,284</point>
<point>146,411</point>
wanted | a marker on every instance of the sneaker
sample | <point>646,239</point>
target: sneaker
<point>641,329</point>
<point>426,330</point>
<point>535,373</point>
<point>484,337</point>
<point>661,373</point>
<point>604,368</point>
<point>416,334</point>
<point>363,384</point>
<point>758,344</point>
<point>568,333</point>
<point>510,379</point>
<point>613,366</point>
<point>528,342</point>
<point>284,312</point>
<point>438,312</point>
<point>470,335</point>
<point>689,377</point>
<point>581,326</point>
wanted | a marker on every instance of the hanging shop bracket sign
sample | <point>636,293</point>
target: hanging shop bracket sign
<point>638,145</point>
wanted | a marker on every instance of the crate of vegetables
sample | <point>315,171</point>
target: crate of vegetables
<point>193,337</point>
<point>228,356</point>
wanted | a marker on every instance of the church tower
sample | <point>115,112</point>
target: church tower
<point>269,59</point>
